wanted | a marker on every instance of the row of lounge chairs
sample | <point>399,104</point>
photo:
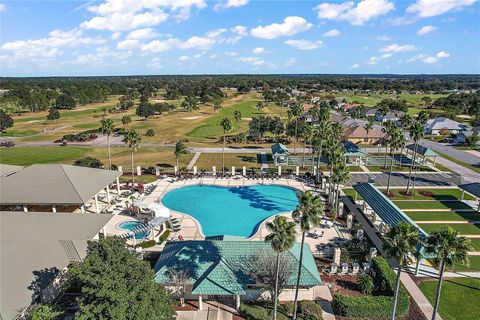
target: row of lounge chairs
<point>150,189</point>
<point>345,268</point>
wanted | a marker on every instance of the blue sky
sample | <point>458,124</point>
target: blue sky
<point>124,37</point>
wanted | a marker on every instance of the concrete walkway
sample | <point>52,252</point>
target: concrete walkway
<point>193,161</point>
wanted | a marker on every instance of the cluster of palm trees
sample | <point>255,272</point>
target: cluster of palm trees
<point>402,243</point>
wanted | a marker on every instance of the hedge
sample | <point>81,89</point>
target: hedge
<point>310,310</point>
<point>307,310</point>
<point>145,244</point>
<point>374,306</point>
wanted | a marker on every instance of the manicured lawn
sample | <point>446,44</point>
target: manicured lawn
<point>429,194</point>
<point>207,160</point>
<point>475,243</point>
<point>464,229</point>
<point>443,216</point>
<point>18,133</point>
<point>138,179</point>
<point>425,205</point>
<point>459,297</point>
<point>26,156</point>
<point>474,265</point>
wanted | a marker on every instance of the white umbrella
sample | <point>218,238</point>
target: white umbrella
<point>159,209</point>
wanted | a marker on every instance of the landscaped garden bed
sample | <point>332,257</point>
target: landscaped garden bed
<point>463,228</point>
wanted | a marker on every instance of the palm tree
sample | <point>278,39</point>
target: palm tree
<point>396,142</point>
<point>309,211</point>
<point>307,134</point>
<point>401,243</point>
<point>237,115</point>
<point>336,153</point>
<point>417,132</point>
<point>449,248</point>
<point>341,175</point>
<point>226,125</point>
<point>282,237</point>
<point>126,120</point>
<point>323,127</point>
<point>132,138</point>
<point>180,149</point>
<point>407,122</point>
<point>368,126</point>
<point>387,129</point>
<point>296,111</point>
<point>107,127</point>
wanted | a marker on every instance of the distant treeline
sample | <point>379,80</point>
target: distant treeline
<point>35,94</point>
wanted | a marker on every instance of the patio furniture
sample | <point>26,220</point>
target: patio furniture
<point>344,268</point>
<point>366,267</point>
<point>333,268</point>
<point>355,268</point>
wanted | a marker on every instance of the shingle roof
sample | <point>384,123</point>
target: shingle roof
<point>424,151</point>
<point>49,184</point>
<point>439,123</point>
<point>359,131</point>
<point>383,207</point>
<point>36,242</point>
<point>473,188</point>
<point>222,267</point>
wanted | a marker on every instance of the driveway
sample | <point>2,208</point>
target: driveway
<point>452,152</point>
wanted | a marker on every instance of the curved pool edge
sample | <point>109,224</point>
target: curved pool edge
<point>117,226</point>
<point>199,225</point>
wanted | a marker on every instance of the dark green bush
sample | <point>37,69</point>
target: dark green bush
<point>374,306</point>
<point>260,311</point>
<point>310,310</point>
<point>150,133</point>
<point>145,244</point>
<point>365,283</point>
<point>165,235</point>
<point>286,307</point>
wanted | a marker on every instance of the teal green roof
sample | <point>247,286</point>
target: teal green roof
<point>222,267</point>
<point>424,151</point>
<point>279,148</point>
<point>353,150</point>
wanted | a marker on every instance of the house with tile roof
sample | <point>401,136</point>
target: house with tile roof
<point>222,269</point>
<point>357,134</point>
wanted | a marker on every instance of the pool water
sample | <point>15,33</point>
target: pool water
<point>235,211</point>
<point>130,225</point>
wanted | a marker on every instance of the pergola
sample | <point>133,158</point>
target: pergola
<point>55,186</point>
<point>473,189</point>
<point>377,205</point>
<point>425,152</point>
<point>353,151</point>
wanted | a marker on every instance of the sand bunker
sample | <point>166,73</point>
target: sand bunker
<point>192,118</point>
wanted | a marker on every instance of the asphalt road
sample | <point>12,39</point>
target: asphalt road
<point>452,152</point>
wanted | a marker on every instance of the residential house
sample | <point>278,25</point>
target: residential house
<point>36,249</point>
<point>389,116</point>
<point>439,125</point>
<point>222,269</point>
<point>358,135</point>
<point>370,113</point>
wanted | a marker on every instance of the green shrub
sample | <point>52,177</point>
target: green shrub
<point>374,306</point>
<point>310,310</point>
<point>165,235</point>
<point>150,133</point>
<point>286,307</point>
<point>145,244</point>
<point>365,283</point>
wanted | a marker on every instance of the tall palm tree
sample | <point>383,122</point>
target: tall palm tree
<point>396,142</point>
<point>406,120</point>
<point>417,132</point>
<point>368,126</point>
<point>180,149</point>
<point>449,248</point>
<point>296,112</point>
<point>282,237</point>
<point>322,113</point>
<point>107,127</point>
<point>132,138</point>
<point>388,127</point>
<point>336,155</point>
<point>307,133</point>
<point>309,211</point>
<point>226,125</point>
<point>341,175</point>
<point>400,243</point>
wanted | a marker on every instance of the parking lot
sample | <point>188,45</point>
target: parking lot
<point>399,179</point>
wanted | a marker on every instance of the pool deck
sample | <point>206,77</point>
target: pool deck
<point>190,228</point>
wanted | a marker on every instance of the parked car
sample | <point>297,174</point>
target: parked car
<point>7,144</point>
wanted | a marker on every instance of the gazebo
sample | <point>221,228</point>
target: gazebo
<point>280,154</point>
<point>473,189</point>
<point>425,152</point>
<point>353,153</point>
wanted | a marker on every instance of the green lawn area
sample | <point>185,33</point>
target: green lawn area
<point>207,160</point>
<point>430,194</point>
<point>474,265</point>
<point>26,156</point>
<point>464,164</point>
<point>411,204</point>
<point>463,229</point>
<point>443,216</point>
<point>476,243</point>
<point>459,297</point>
<point>18,133</point>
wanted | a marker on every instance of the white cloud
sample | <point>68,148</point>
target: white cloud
<point>230,4</point>
<point>431,8</point>
<point>50,47</point>
<point>160,45</point>
<point>426,29</point>
<point>198,43</point>
<point>3,7</point>
<point>155,63</point>
<point>231,53</point>
<point>121,15</point>
<point>332,33</point>
<point>258,50</point>
<point>383,38</point>
<point>375,59</point>
<point>212,56</point>
<point>116,35</point>
<point>140,34</point>
<point>358,14</point>
<point>355,66</point>
<point>429,60</point>
<point>290,26</point>
<point>291,61</point>
<point>304,44</point>
<point>240,30</point>
<point>128,44</point>
<point>443,54</point>
<point>398,48</point>
<point>256,61</point>
<point>184,58</point>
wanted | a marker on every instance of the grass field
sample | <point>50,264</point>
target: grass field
<point>443,216</point>
<point>475,243</point>
<point>474,265</point>
<point>463,229</point>
<point>425,205</point>
<point>207,160</point>
<point>422,194</point>
<point>459,298</point>
<point>146,156</point>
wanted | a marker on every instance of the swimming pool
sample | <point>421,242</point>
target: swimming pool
<point>131,225</point>
<point>235,211</point>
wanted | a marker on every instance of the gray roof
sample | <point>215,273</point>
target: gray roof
<point>473,188</point>
<point>34,242</point>
<point>439,123</point>
<point>6,169</point>
<point>49,184</point>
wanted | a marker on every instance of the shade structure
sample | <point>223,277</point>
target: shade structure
<point>159,209</point>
